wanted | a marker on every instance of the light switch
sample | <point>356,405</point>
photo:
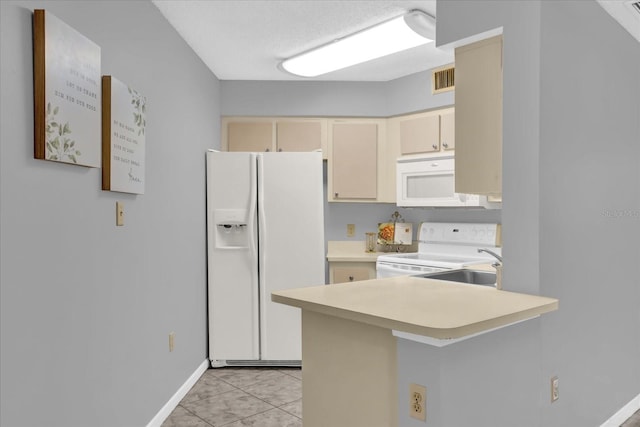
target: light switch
<point>119,213</point>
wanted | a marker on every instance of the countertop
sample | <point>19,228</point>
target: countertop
<point>426,307</point>
<point>354,251</point>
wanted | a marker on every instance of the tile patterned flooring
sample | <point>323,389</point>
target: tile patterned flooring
<point>237,397</point>
<point>634,421</point>
<point>254,397</point>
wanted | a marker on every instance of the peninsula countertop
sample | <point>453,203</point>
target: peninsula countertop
<point>421,306</point>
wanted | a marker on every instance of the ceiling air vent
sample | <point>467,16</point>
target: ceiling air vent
<point>443,79</point>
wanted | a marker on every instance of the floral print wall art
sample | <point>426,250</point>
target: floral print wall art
<point>67,96</point>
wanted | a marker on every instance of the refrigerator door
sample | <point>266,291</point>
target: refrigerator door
<point>291,243</point>
<point>232,256</point>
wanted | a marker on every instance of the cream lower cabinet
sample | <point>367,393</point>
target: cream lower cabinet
<point>341,272</point>
<point>478,124</point>
<point>358,170</point>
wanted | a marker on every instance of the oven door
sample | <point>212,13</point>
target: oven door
<point>429,181</point>
<point>386,269</point>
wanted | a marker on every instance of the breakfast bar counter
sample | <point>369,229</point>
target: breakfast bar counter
<point>349,347</point>
<point>421,306</point>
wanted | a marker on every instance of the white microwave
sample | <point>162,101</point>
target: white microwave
<point>430,181</point>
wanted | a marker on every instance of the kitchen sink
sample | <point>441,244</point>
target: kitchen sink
<point>473,277</point>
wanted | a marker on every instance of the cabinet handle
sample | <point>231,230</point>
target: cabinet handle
<point>267,150</point>
<point>351,278</point>
<point>435,147</point>
<point>445,145</point>
<point>279,150</point>
<point>335,195</point>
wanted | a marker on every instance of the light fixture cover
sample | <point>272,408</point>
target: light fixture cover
<point>404,32</point>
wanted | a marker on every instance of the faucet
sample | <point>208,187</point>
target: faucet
<point>497,265</point>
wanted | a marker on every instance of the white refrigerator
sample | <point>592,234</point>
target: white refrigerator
<point>265,232</point>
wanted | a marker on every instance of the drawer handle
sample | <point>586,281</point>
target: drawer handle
<point>267,150</point>
<point>351,278</point>
<point>445,145</point>
<point>435,147</point>
<point>279,150</point>
<point>335,195</point>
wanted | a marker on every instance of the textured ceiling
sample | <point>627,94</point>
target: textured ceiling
<point>247,40</point>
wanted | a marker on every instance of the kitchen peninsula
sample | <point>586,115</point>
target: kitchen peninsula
<point>349,347</point>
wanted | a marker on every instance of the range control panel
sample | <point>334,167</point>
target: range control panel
<point>460,233</point>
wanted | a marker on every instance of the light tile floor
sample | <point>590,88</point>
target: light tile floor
<point>237,397</point>
<point>633,421</point>
<point>255,397</point>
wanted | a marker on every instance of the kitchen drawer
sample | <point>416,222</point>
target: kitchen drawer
<point>341,272</point>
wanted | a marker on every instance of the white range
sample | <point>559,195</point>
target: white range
<point>443,246</point>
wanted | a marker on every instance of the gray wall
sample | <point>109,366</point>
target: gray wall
<point>367,99</point>
<point>281,98</point>
<point>356,99</point>
<point>570,222</point>
<point>87,307</point>
<point>589,211</point>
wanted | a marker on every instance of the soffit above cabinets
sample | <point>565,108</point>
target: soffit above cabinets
<point>246,40</point>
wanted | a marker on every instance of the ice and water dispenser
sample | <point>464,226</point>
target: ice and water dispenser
<point>232,229</point>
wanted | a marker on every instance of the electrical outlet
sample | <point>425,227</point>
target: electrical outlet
<point>351,230</point>
<point>555,391</point>
<point>172,340</point>
<point>418,402</point>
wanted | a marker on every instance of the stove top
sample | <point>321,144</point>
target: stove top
<point>449,245</point>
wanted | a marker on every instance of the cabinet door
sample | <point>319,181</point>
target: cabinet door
<point>249,136</point>
<point>420,135</point>
<point>299,136</point>
<point>354,160</point>
<point>478,124</point>
<point>448,131</point>
<point>350,274</point>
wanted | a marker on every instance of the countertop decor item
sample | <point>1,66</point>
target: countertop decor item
<point>124,121</point>
<point>66,67</point>
<point>395,235</point>
<point>370,242</point>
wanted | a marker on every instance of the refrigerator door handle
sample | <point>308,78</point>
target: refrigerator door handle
<point>262,236</point>
<point>253,245</point>
<point>253,201</point>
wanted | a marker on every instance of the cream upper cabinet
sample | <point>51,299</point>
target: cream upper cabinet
<point>302,135</point>
<point>420,134</point>
<point>353,160</point>
<point>429,132</point>
<point>249,136</point>
<point>448,130</point>
<point>274,134</point>
<point>478,124</point>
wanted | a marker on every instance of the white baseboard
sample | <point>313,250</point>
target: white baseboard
<point>168,407</point>
<point>623,414</point>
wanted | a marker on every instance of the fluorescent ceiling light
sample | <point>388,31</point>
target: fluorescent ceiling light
<point>404,32</point>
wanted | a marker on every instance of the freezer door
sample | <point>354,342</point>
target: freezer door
<point>291,243</point>
<point>232,256</point>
